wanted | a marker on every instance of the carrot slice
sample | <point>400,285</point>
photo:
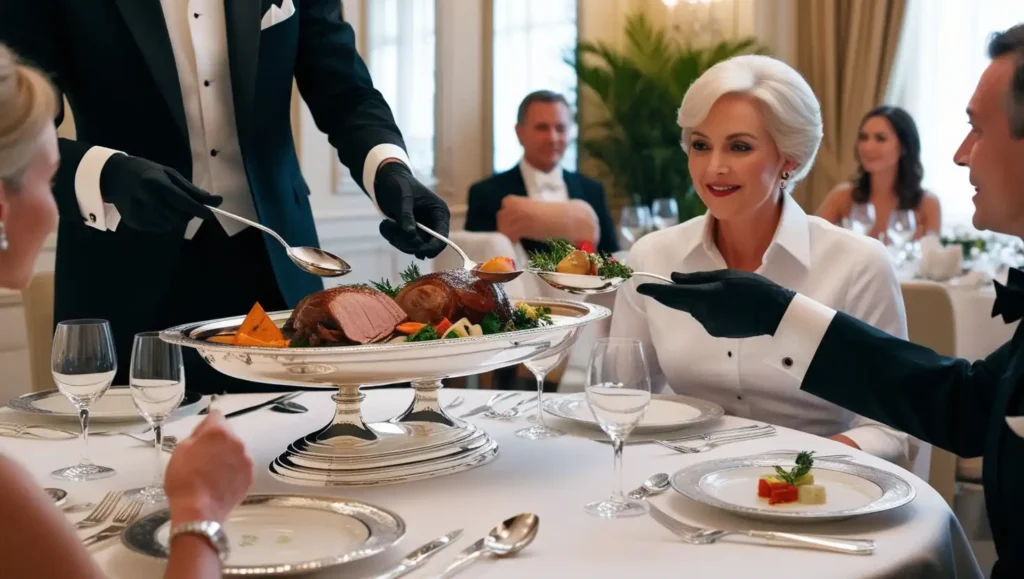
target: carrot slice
<point>442,326</point>
<point>409,328</point>
<point>247,340</point>
<point>223,339</point>
<point>258,325</point>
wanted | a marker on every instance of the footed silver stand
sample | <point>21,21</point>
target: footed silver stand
<point>420,443</point>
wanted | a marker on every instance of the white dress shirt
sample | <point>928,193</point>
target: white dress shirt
<point>198,34</point>
<point>808,255</point>
<point>544,186</point>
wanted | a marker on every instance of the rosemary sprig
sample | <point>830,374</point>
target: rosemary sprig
<point>803,466</point>
<point>384,286</point>
<point>558,249</point>
<point>410,273</point>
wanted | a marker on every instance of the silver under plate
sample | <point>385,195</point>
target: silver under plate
<point>114,406</point>
<point>708,483</point>
<point>274,535</point>
<point>423,441</point>
<point>666,413</point>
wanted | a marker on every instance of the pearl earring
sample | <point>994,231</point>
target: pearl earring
<point>3,237</point>
<point>785,179</point>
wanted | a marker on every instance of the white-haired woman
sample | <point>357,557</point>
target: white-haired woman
<point>751,127</point>
<point>210,471</point>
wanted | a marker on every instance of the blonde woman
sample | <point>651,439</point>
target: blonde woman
<point>751,127</point>
<point>209,472</point>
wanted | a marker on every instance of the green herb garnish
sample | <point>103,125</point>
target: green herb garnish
<point>410,273</point>
<point>490,324</point>
<point>526,317</point>
<point>803,466</point>
<point>298,343</point>
<point>384,286</point>
<point>424,334</point>
<point>558,249</point>
<point>612,268</point>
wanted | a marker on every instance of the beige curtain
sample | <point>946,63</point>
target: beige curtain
<point>845,50</point>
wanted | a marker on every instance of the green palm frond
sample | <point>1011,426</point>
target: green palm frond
<point>640,88</point>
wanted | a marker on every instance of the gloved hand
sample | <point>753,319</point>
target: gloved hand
<point>151,197</point>
<point>407,201</point>
<point>728,303</point>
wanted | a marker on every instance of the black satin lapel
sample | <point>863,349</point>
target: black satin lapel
<point>145,19</point>
<point>243,24</point>
<point>572,184</point>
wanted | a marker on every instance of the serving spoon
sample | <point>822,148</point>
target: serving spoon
<point>579,284</point>
<point>470,265</point>
<point>311,259</point>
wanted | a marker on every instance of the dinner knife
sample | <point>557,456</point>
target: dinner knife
<point>417,557</point>
<point>270,402</point>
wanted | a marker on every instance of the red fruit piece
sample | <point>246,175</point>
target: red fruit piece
<point>764,490</point>
<point>586,246</point>
<point>790,494</point>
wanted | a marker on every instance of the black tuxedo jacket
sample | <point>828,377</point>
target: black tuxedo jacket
<point>951,403</point>
<point>485,201</point>
<point>113,60</point>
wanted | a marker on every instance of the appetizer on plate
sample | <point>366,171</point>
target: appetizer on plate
<point>795,485</point>
<point>562,257</point>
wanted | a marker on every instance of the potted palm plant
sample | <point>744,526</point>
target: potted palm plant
<point>640,87</point>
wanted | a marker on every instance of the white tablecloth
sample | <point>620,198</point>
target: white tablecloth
<point>554,479</point>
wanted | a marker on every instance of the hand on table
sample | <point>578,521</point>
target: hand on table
<point>728,303</point>
<point>151,197</point>
<point>845,440</point>
<point>407,201</point>
<point>209,473</point>
<point>517,217</point>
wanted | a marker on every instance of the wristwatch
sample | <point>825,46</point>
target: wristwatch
<point>211,530</point>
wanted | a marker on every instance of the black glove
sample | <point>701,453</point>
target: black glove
<point>402,198</point>
<point>151,197</point>
<point>728,303</point>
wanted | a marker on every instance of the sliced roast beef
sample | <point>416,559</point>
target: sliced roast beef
<point>344,315</point>
<point>453,294</point>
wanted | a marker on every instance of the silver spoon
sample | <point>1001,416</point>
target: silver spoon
<point>579,284</point>
<point>311,259</point>
<point>469,264</point>
<point>656,484</point>
<point>508,538</point>
<point>289,407</point>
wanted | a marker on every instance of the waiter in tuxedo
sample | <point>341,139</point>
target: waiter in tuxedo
<point>968,409</point>
<point>181,104</point>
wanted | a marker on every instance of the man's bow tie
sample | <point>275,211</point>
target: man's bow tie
<point>1010,297</point>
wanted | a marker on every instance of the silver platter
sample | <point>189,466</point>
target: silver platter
<point>420,443</point>
<point>707,482</point>
<point>275,535</point>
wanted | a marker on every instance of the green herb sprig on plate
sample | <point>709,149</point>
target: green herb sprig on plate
<point>804,462</point>
<point>408,274</point>
<point>547,260</point>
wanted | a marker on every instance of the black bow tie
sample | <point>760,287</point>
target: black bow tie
<point>1010,297</point>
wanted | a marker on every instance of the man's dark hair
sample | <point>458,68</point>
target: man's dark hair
<point>1011,41</point>
<point>540,96</point>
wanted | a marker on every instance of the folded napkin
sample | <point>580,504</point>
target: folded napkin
<point>939,263</point>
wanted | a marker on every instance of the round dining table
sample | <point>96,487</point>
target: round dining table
<point>551,478</point>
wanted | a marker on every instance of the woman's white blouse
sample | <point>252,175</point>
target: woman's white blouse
<point>808,255</point>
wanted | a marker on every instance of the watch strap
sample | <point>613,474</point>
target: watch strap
<point>212,531</point>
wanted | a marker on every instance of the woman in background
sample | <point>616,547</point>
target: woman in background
<point>889,174</point>
<point>751,127</point>
<point>209,473</point>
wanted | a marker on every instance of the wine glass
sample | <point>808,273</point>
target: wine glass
<point>157,383</point>
<point>634,222</point>
<point>540,368</point>
<point>665,213</point>
<point>900,232</point>
<point>83,362</point>
<point>618,392</point>
<point>861,218</point>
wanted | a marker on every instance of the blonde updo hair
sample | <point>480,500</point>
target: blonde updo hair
<point>28,104</point>
<point>791,110</point>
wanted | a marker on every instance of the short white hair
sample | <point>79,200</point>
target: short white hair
<point>792,112</point>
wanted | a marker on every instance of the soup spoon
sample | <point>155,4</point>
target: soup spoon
<point>508,538</point>
<point>311,259</point>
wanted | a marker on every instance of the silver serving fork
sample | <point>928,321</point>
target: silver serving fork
<point>769,431</point>
<point>697,536</point>
<point>124,517</point>
<point>101,512</point>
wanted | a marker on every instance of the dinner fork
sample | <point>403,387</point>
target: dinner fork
<point>514,412</point>
<point>124,517</point>
<point>765,433</point>
<point>101,512</point>
<point>698,536</point>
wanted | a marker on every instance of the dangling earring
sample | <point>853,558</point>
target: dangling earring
<point>3,237</point>
<point>785,178</point>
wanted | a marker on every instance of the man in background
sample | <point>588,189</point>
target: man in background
<point>538,199</point>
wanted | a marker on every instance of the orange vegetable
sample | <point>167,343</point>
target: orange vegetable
<point>247,340</point>
<point>409,328</point>
<point>259,326</point>
<point>223,339</point>
<point>442,326</point>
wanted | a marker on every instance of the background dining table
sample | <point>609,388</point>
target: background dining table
<point>552,478</point>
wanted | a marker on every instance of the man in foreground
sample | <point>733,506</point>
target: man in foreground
<point>968,409</point>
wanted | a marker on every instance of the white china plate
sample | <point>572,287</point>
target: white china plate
<point>666,412</point>
<point>851,489</point>
<point>273,535</point>
<point>114,406</point>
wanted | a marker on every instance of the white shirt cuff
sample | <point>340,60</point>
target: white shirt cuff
<point>96,213</point>
<point>376,156</point>
<point>798,336</point>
